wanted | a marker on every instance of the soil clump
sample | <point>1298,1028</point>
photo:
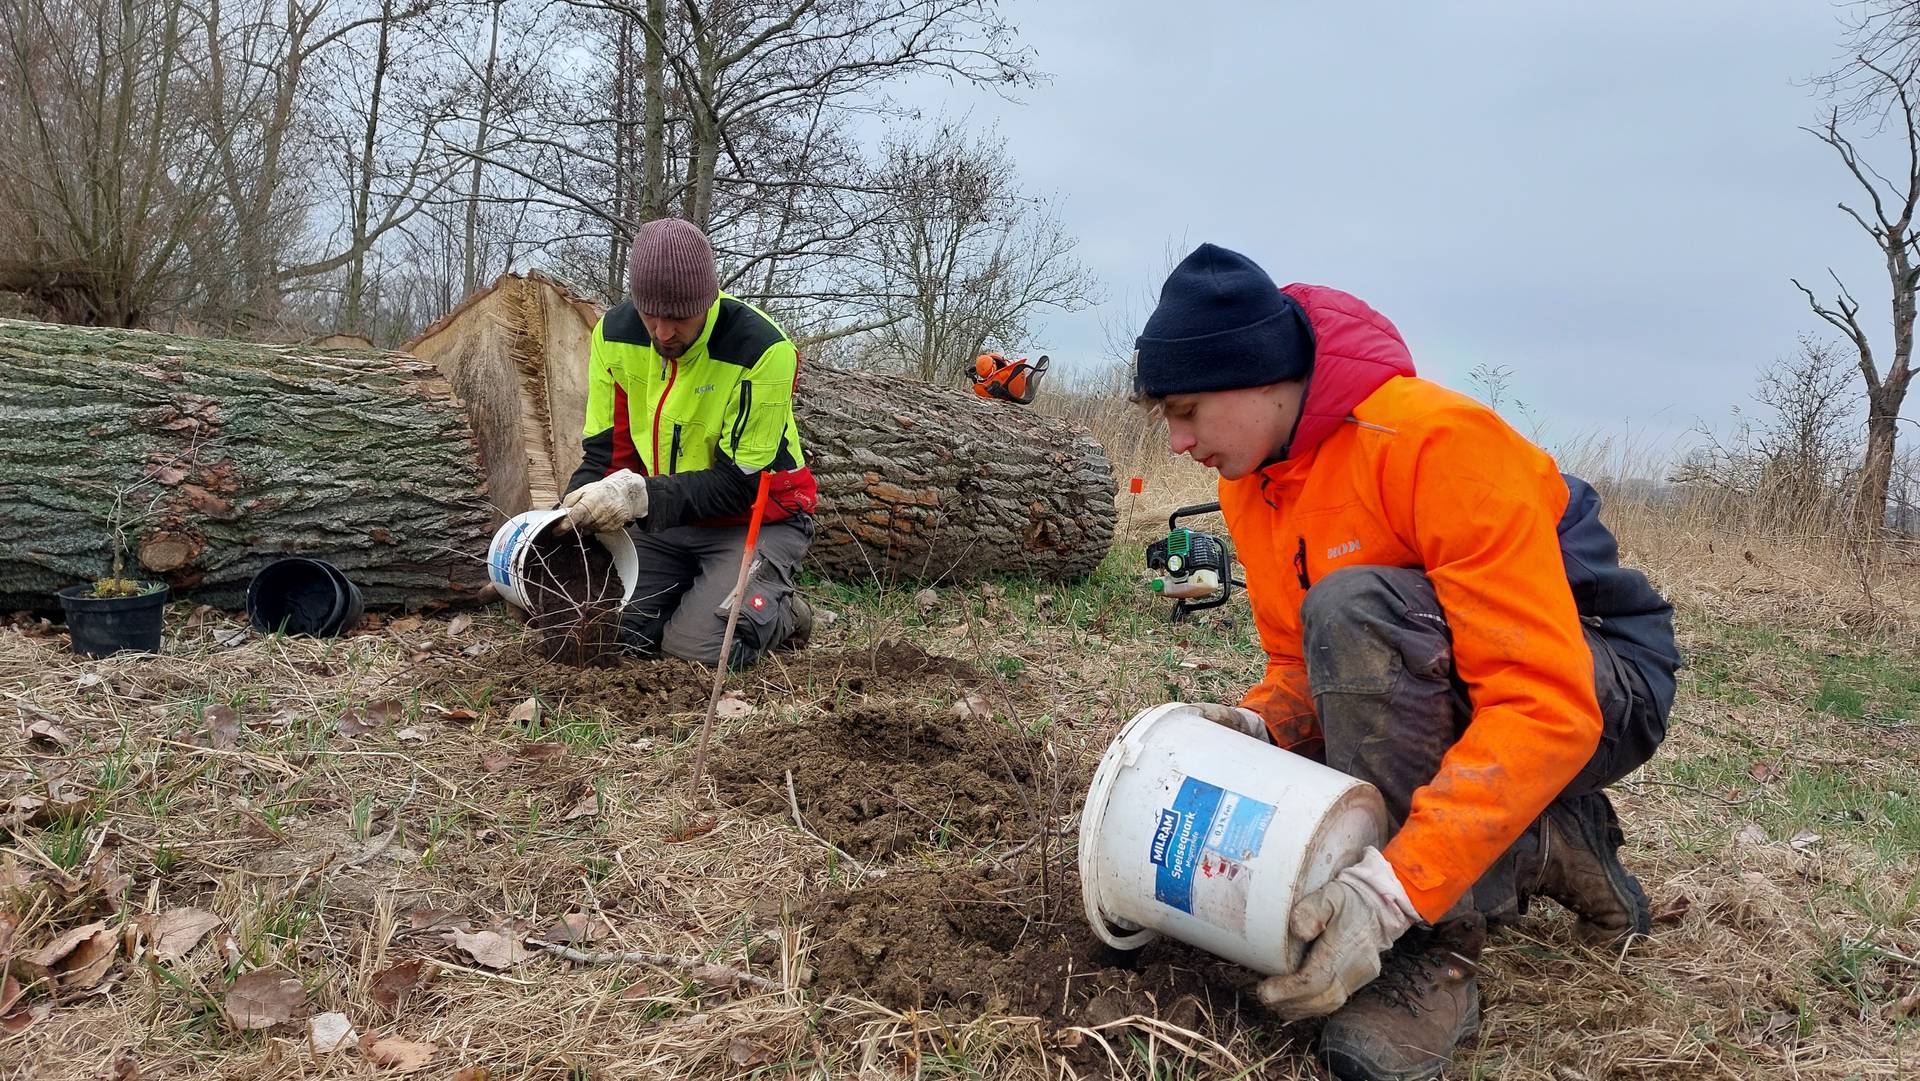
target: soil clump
<point>644,696</point>
<point>575,600</point>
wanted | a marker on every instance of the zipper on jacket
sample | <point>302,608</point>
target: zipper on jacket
<point>1300,565</point>
<point>672,374</point>
<point>673,452</point>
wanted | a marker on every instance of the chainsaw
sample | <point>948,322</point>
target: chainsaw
<point>996,377</point>
<point>1194,567</point>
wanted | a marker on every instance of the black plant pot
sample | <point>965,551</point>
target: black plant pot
<point>103,626</point>
<point>298,595</point>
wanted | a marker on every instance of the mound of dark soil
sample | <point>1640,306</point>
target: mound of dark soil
<point>885,776</point>
<point>889,667</point>
<point>978,938</point>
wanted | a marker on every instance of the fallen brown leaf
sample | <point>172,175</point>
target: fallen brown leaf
<point>47,732</point>
<point>410,735</point>
<point>264,998</point>
<point>587,807</point>
<point>495,761</point>
<point>491,948</point>
<point>386,711</point>
<point>472,1073</point>
<point>542,752</point>
<point>460,714</point>
<point>526,713</point>
<point>747,1054</point>
<point>459,624</point>
<point>177,932</point>
<point>392,985</point>
<point>223,727</point>
<point>393,1053</point>
<point>46,957</point>
<point>1902,1008</point>
<point>354,724</point>
<point>731,705</point>
<point>14,1024</point>
<point>9,993</point>
<point>576,928</point>
<point>1763,770</point>
<point>406,625</point>
<point>87,965</point>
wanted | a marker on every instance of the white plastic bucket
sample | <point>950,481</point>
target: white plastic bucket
<point>507,555</point>
<point>1209,836</point>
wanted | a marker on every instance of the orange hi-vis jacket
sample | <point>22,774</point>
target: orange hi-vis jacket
<point>1386,469</point>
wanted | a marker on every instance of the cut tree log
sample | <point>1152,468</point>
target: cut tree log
<point>226,455</point>
<point>493,348</point>
<point>926,483</point>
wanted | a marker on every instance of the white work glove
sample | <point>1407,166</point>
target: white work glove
<point>1238,718</point>
<point>1347,924</point>
<point>607,504</point>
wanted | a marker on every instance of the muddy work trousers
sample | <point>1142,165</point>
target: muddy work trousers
<point>685,587</point>
<point>1380,667</point>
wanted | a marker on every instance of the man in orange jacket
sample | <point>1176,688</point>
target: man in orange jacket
<point>1444,616</point>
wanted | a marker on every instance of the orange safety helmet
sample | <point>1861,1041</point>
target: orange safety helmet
<point>995,376</point>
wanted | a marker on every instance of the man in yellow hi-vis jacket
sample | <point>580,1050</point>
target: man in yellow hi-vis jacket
<point>690,400</point>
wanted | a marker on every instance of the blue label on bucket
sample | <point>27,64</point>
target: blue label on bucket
<point>501,569</point>
<point>1208,833</point>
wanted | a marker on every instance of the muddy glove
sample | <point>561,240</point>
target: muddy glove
<point>1346,924</point>
<point>1238,718</point>
<point>606,504</point>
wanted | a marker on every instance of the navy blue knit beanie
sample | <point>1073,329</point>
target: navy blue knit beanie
<point>1221,325</point>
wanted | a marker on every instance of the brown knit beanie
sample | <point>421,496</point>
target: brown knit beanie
<point>670,270</point>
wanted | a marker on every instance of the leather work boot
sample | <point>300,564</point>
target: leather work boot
<point>802,632</point>
<point>1405,1024</point>
<point>1579,868</point>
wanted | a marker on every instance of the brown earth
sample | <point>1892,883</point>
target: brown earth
<point>979,938</point>
<point>643,696</point>
<point>886,775</point>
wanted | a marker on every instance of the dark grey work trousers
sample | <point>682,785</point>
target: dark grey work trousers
<point>1379,660</point>
<point>687,574</point>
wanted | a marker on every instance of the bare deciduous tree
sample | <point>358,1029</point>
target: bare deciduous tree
<point>103,158</point>
<point>965,257</point>
<point>1890,221</point>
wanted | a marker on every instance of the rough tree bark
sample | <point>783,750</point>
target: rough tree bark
<point>228,455</point>
<point>923,483</point>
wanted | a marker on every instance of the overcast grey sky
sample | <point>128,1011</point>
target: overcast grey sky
<point>1608,198</point>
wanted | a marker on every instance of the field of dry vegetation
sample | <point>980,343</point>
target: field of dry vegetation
<point>438,855</point>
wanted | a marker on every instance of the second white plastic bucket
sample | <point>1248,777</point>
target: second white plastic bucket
<point>1209,836</point>
<point>507,555</point>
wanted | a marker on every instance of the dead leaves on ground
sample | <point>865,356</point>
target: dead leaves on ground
<point>491,948</point>
<point>392,986</point>
<point>77,960</point>
<point>264,998</point>
<point>174,934</point>
<point>395,1054</point>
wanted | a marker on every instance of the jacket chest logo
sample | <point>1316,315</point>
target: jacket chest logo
<point>1346,548</point>
<point>703,388</point>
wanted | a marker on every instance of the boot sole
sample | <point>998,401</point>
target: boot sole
<point>1350,1066</point>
